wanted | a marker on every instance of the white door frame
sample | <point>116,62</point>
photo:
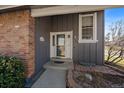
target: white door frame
<point>52,49</point>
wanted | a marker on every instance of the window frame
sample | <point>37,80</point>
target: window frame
<point>94,29</point>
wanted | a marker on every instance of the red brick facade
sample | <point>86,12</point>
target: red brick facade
<point>17,37</point>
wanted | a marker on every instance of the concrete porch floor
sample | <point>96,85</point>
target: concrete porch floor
<point>61,66</point>
<point>53,77</point>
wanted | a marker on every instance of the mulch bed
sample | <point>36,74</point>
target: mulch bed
<point>94,77</point>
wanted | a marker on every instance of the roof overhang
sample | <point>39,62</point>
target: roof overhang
<point>8,6</point>
<point>66,9</point>
<point>11,8</point>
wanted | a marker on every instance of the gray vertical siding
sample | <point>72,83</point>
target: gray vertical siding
<point>100,36</point>
<point>84,53</point>
<point>93,53</point>
<point>43,27</point>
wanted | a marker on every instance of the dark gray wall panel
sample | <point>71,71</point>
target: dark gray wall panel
<point>43,27</point>
<point>76,55</point>
<point>93,53</point>
<point>100,36</point>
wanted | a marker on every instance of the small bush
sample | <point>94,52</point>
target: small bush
<point>11,72</point>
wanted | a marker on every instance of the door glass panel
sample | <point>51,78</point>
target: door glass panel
<point>60,45</point>
<point>53,40</point>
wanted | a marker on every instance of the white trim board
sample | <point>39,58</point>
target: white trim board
<point>66,9</point>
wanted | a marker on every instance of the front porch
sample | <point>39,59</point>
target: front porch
<point>69,45</point>
<point>57,37</point>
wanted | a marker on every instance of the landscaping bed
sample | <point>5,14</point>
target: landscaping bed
<point>94,77</point>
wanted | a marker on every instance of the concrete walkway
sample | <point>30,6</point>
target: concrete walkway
<point>51,78</point>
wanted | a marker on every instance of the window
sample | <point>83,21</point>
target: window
<point>53,40</point>
<point>87,28</point>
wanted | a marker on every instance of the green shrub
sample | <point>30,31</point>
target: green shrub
<point>11,72</point>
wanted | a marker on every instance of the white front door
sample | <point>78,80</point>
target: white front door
<point>61,44</point>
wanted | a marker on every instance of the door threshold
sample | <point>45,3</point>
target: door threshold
<point>61,59</point>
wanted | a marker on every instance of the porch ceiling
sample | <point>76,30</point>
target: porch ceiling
<point>65,9</point>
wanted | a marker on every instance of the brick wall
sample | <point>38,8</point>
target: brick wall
<point>17,37</point>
